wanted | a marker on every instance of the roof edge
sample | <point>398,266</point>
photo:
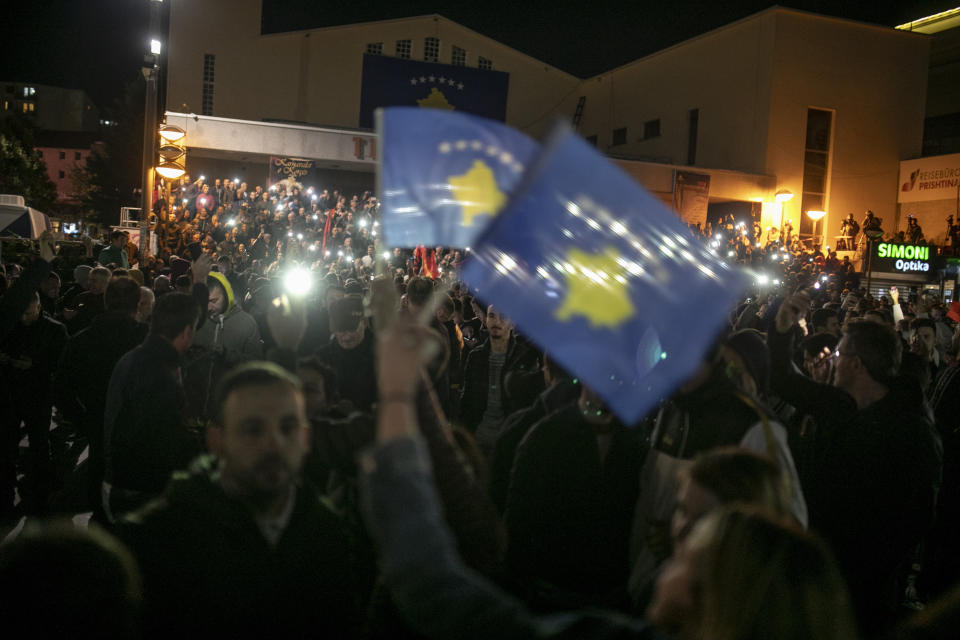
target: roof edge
<point>435,16</point>
<point>755,16</point>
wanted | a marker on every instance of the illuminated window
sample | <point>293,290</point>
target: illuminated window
<point>431,49</point>
<point>619,136</point>
<point>459,56</point>
<point>375,48</point>
<point>403,49</point>
<point>206,105</point>
<point>27,107</point>
<point>29,91</point>
<point>484,63</point>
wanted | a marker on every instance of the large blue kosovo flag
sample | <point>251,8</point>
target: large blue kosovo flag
<point>604,277</point>
<point>393,82</point>
<point>444,175</point>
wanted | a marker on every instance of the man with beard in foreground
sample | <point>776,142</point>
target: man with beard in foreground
<point>238,547</point>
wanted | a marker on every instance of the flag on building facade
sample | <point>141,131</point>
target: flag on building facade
<point>392,82</point>
<point>445,175</point>
<point>602,275</point>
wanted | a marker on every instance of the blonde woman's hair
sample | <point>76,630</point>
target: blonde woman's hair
<point>762,578</point>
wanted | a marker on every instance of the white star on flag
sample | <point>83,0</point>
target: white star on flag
<point>443,80</point>
<point>432,78</point>
<point>492,151</point>
<point>444,147</point>
<point>413,81</point>
<point>461,145</point>
<point>422,79</point>
<point>460,86</point>
<point>476,145</point>
<point>451,82</point>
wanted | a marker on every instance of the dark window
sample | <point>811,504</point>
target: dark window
<point>592,139</point>
<point>484,63</point>
<point>816,169</point>
<point>692,136</point>
<point>76,155</point>
<point>403,49</point>
<point>209,62</point>
<point>458,57</point>
<point>62,176</point>
<point>431,49</point>
<point>619,136</point>
<point>651,129</point>
<point>375,48</point>
<point>63,155</point>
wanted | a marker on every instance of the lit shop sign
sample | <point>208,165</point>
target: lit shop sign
<point>902,258</point>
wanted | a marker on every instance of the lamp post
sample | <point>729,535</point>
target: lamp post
<point>151,63</point>
<point>783,196</point>
<point>816,216</point>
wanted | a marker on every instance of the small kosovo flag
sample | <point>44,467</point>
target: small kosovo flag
<point>445,175</point>
<point>603,276</point>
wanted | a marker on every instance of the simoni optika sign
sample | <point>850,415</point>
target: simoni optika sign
<point>902,258</point>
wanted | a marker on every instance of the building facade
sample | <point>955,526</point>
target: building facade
<point>64,152</point>
<point>817,108</point>
<point>52,108</point>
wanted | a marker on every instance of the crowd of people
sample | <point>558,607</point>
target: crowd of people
<point>282,429</point>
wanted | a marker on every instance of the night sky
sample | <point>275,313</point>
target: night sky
<point>97,45</point>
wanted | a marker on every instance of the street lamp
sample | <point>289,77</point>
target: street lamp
<point>784,195</point>
<point>151,63</point>
<point>171,170</point>
<point>171,133</point>
<point>816,216</point>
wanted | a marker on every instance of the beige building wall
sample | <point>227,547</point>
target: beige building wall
<point>314,76</point>
<point>874,80</point>
<point>752,82</point>
<point>724,74</point>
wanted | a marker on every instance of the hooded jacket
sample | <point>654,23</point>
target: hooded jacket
<point>208,571</point>
<point>234,333</point>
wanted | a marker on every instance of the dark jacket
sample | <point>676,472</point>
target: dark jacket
<point>873,492</point>
<point>89,306</point>
<point>41,343</point>
<point>515,429</point>
<point>473,399</point>
<point>14,302</point>
<point>82,377</point>
<point>145,435</point>
<point>356,375</point>
<point>569,509</point>
<point>429,581</point>
<point>83,374</point>
<point>208,572</point>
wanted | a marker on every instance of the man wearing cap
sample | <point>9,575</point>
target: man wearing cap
<point>350,352</point>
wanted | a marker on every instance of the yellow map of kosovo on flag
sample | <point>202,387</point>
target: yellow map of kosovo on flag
<point>477,192</point>
<point>436,100</point>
